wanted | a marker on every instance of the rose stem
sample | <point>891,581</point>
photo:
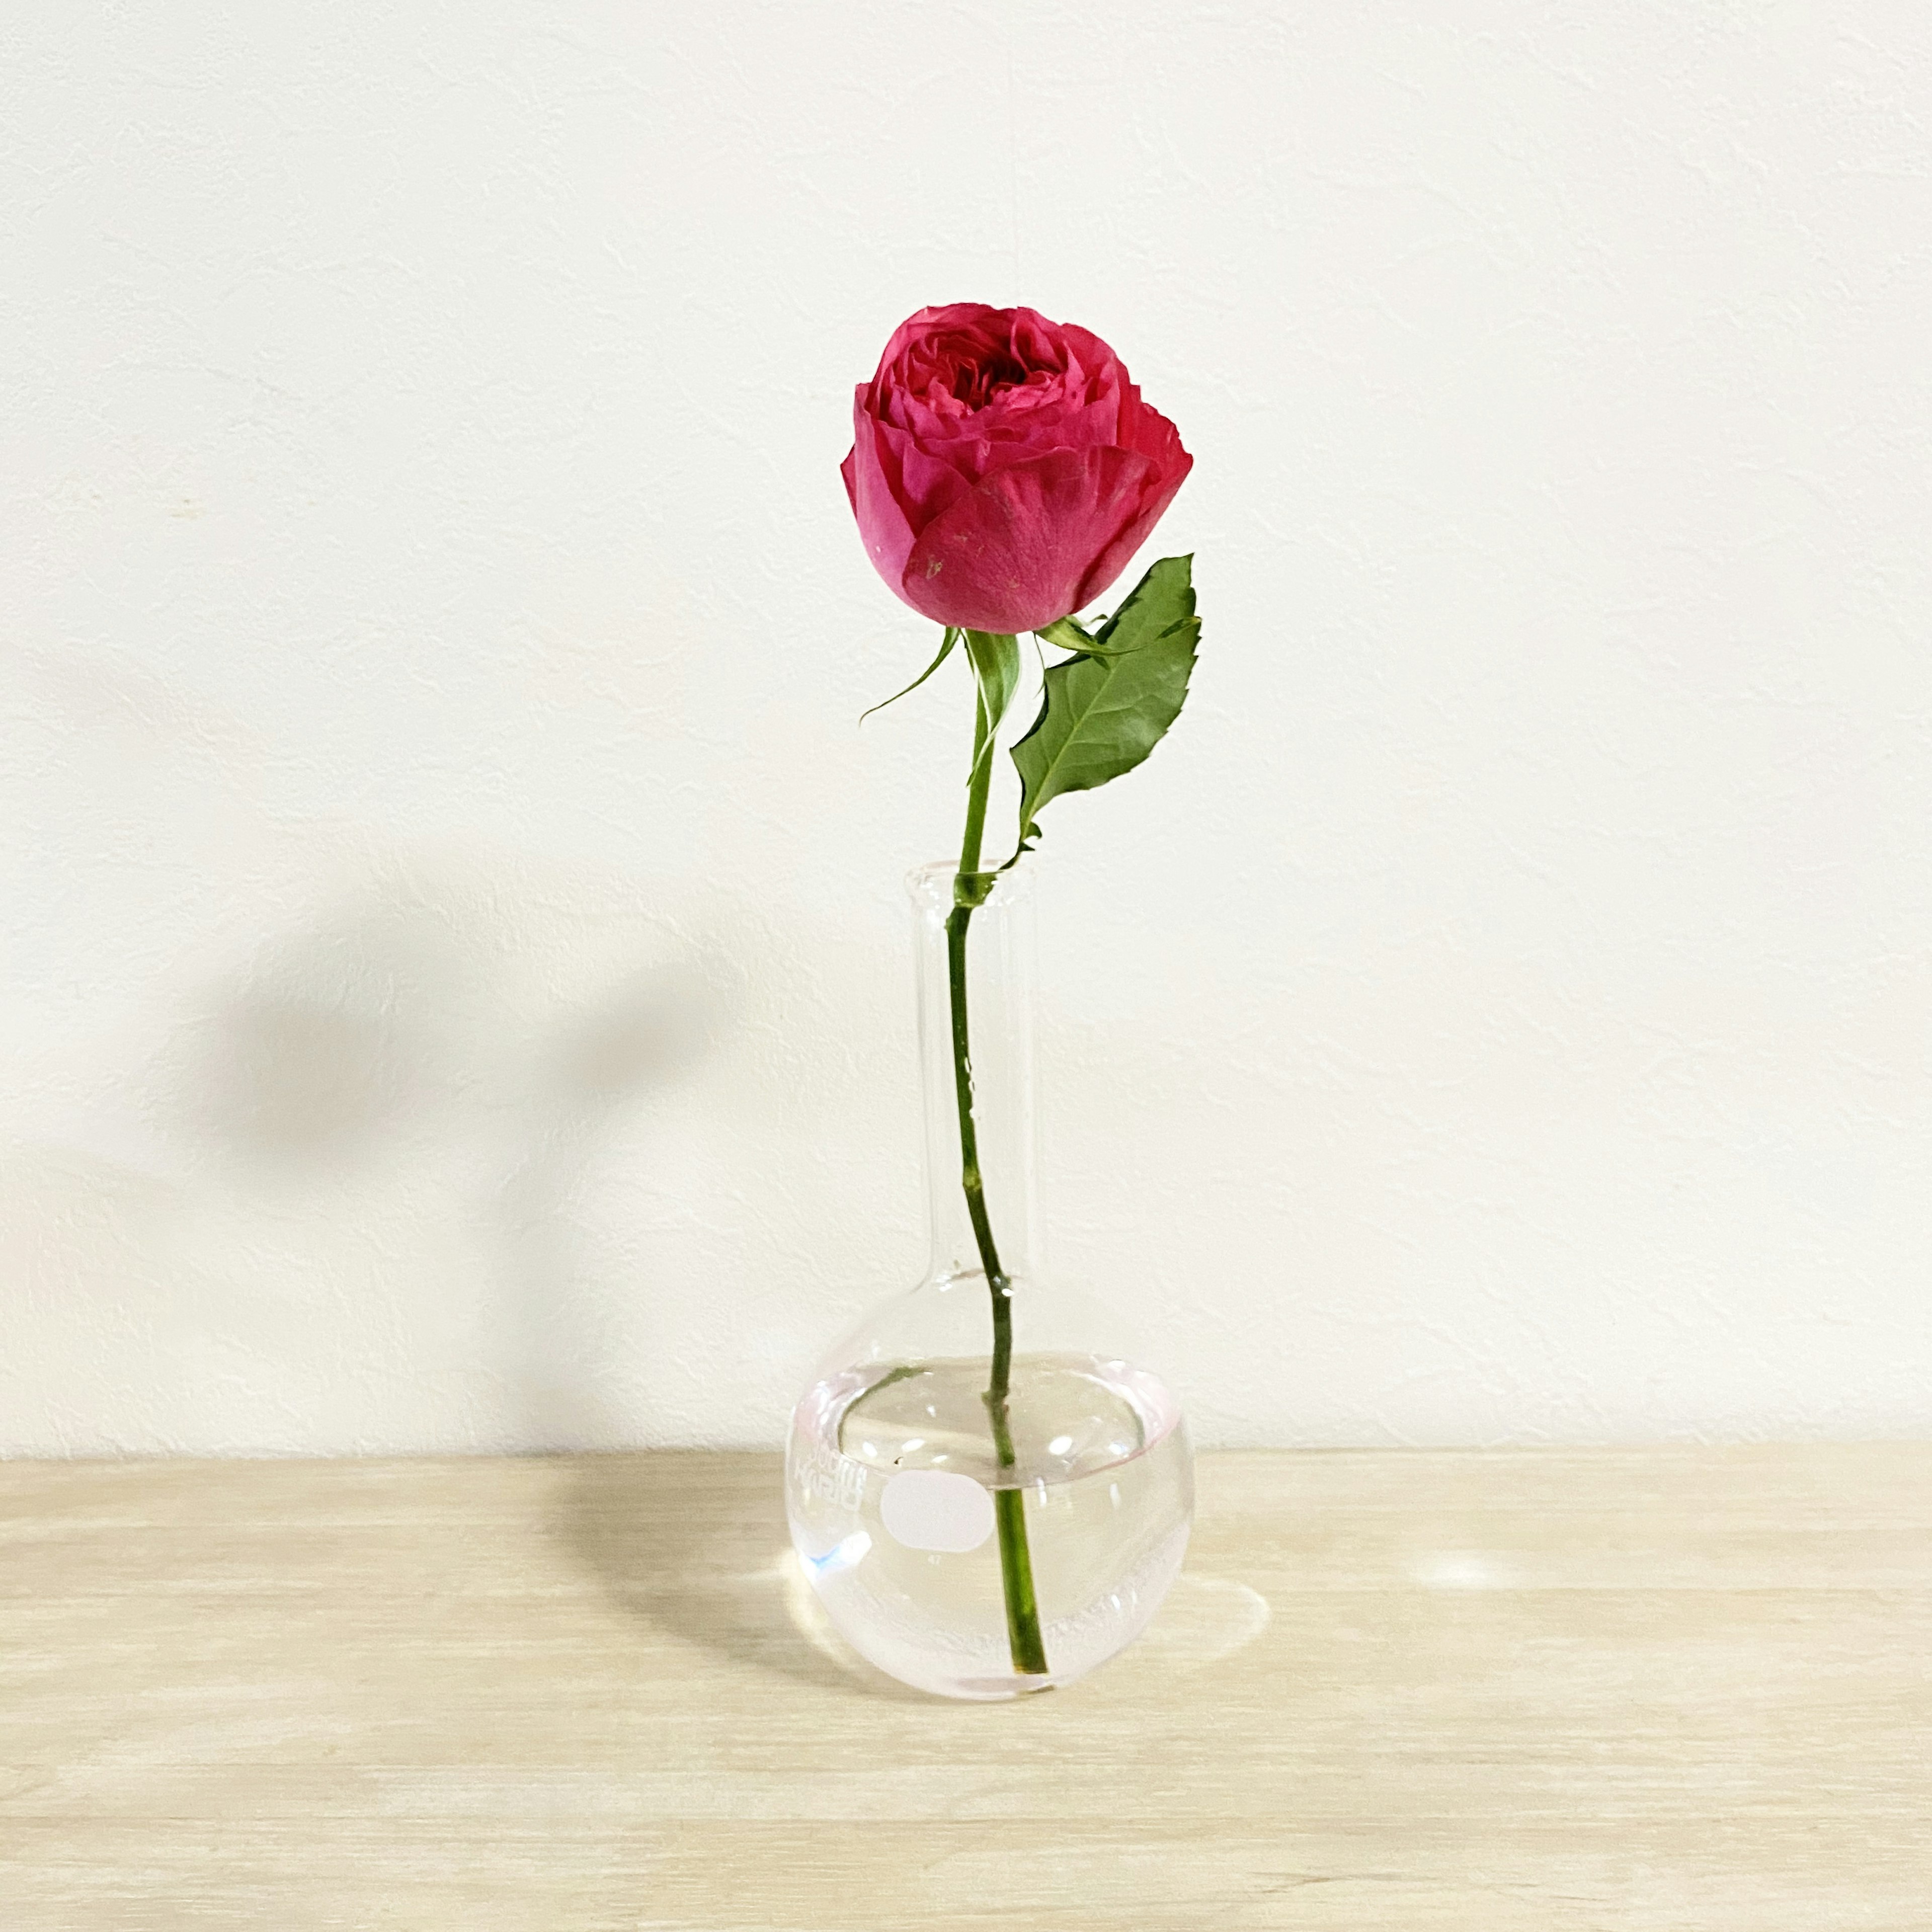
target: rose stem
<point>1023,1637</point>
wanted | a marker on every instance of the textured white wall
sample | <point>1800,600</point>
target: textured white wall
<point>456,990</point>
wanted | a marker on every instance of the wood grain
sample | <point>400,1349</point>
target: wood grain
<point>1656,1690</point>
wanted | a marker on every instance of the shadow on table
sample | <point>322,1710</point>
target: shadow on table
<point>696,1543</point>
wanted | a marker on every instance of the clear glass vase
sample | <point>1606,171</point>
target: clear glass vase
<point>989,1489</point>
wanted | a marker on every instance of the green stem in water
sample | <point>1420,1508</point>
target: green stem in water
<point>970,889</point>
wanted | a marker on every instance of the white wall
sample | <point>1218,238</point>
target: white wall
<point>456,992</point>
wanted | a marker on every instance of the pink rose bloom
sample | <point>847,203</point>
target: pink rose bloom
<point>1004,467</point>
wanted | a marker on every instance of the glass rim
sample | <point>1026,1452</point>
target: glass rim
<point>931,884</point>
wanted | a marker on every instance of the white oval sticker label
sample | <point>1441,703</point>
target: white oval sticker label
<point>936,1509</point>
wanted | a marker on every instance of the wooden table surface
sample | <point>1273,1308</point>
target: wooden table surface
<point>1662,1691</point>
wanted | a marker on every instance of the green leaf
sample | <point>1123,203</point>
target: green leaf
<point>1072,635</point>
<point>1068,633</point>
<point>1102,711</point>
<point>996,664</point>
<point>951,638</point>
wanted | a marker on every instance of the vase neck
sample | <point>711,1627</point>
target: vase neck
<point>998,947</point>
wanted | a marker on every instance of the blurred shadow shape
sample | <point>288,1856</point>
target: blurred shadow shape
<point>695,1541</point>
<point>333,1035</point>
<point>640,1035</point>
<point>295,1079</point>
<point>648,1028</point>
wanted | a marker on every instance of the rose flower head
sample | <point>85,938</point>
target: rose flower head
<point>1003,468</point>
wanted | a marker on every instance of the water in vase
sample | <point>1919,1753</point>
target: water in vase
<point>890,1480</point>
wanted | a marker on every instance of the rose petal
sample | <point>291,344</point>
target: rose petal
<point>1169,465</point>
<point>870,481</point>
<point>931,477</point>
<point>1013,553</point>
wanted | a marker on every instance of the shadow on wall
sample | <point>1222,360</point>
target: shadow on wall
<point>638,1034</point>
<point>449,1044</point>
